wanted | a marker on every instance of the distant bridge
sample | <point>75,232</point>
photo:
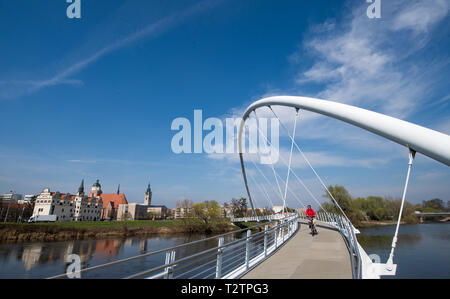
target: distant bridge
<point>437,214</point>
<point>422,215</point>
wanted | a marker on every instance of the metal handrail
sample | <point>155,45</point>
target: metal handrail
<point>155,252</point>
<point>286,222</point>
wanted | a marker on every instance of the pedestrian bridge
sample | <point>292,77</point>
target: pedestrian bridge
<point>325,255</point>
<point>282,248</point>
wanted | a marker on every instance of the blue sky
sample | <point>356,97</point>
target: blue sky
<point>94,97</point>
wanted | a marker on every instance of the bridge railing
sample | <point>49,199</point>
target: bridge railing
<point>348,231</point>
<point>230,257</point>
<point>261,218</point>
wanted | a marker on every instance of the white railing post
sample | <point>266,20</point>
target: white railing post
<point>265,240</point>
<point>170,258</point>
<point>276,236</point>
<point>219,259</point>
<point>247,249</point>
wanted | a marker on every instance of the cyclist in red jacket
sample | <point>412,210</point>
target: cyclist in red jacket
<point>310,214</point>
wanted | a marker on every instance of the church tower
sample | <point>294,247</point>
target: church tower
<point>148,196</point>
<point>96,190</point>
<point>81,189</point>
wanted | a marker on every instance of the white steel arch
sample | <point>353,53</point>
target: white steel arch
<point>416,138</point>
<point>431,143</point>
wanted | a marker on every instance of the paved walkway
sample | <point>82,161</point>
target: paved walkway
<point>323,256</point>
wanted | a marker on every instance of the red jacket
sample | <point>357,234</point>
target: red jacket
<point>310,213</point>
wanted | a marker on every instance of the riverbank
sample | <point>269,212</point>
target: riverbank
<point>65,231</point>
<point>365,224</point>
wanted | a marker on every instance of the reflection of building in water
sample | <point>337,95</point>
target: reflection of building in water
<point>143,246</point>
<point>31,255</point>
<point>107,248</point>
<point>129,242</point>
<point>35,253</point>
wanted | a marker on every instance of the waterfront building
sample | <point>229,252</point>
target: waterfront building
<point>134,211</point>
<point>68,207</point>
<point>159,212</point>
<point>111,201</point>
<point>182,212</point>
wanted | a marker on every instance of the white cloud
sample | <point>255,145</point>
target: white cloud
<point>364,63</point>
<point>421,16</point>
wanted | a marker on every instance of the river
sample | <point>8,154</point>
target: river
<point>47,259</point>
<point>423,251</point>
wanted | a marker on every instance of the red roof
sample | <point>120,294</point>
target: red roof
<point>113,198</point>
<point>63,195</point>
<point>72,197</point>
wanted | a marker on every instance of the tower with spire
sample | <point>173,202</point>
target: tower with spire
<point>148,196</point>
<point>81,188</point>
<point>96,190</point>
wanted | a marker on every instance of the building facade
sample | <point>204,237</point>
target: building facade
<point>68,207</point>
<point>134,211</point>
<point>10,198</point>
<point>182,212</point>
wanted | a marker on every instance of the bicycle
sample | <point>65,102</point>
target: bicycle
<point>312,226</point>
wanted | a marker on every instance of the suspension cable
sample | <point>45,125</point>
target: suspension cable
<point>290,161</point>
<point>312,168</point>
<point>267,180</point>
<point>293,193</point>
<point>271,164</point>
<point>412,154</point>
<point>293,172</point>
<point>262,189</point>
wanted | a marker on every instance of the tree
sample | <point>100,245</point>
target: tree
<point>408,214</point>
<point>344,199</point>
<point>239,207</point>
<point>433,205</point>
<point>341,196</point>
<point>208,212</point>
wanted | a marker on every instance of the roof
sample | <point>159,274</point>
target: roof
<point>63,195</point>
<point>113,198</point>
<point>72,197</point>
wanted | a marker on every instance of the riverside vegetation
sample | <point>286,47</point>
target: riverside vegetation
<point>376,210</point>
<point>206,217</point>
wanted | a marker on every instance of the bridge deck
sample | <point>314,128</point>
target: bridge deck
<point>323,256</point>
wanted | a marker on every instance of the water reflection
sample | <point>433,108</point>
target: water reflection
<point>383,242</point>
<point>45,259</point>
<point>423,251</point>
